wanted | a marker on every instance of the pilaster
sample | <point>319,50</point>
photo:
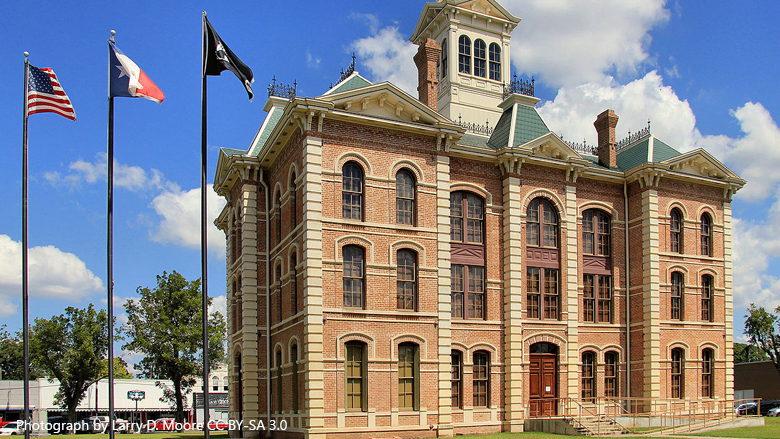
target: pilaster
<point>729,311</point>
<point>311,180</point>
<point>513,306</point>
<point>570,294</point>
<point>249,295</point>
<point>651,300</point>
<point>444,298</point>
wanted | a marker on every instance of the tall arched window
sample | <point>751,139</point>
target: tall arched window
<point>406,285</point>
<point>234,308</point>
<point>706,298</point>
<point>237,232</point>
<point>464,54</point>
<point>456,378</point>
<point>677,296</point>
<point>588,376</point>
<point>676,231</point>
<point>278,215</point>
<point>354,276</point>
<point>294,282</point>
<point>279,298</point>
<point>706,234</point>
<point>215,384</point>
<point>678,373</point>
<point>611,374</point>
<point>495,62</point>
<point>479,58</point>
<point>597,265</point>
<point>542,274</point>
<point>596,233</point>
<point>707,368</point>
<point>352,192</point>
<point>405,198</point>
<point>408,376</point>
<point>240,307</point>
<point>443,66</point>
<point>481,379</point>
<point>279,384</point>
<point>467,250</point>
<point>357,378</point>
<point>294,361</point>
<point>293,201</point>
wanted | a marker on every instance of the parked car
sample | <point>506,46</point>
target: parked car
<point>775,412</point>
<point>748,408</point>
<point>58,425</point>
<point>12,428</point>
<point>768,405</point>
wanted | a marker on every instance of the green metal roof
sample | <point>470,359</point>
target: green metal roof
<point>351,83</point>
<point>638,153</point>
<point>500,136</point>
<point>273,118</point>
<point>473,140</point>
<point>230,151</point>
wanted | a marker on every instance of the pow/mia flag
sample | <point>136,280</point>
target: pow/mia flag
<point>219,57</point>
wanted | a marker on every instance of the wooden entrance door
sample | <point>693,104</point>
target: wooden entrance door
<point>543,392</point>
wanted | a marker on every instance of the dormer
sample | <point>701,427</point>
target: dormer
<point>474,63</point>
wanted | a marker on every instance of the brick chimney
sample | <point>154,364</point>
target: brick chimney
<point>427,78</point>
<point>605,127</point>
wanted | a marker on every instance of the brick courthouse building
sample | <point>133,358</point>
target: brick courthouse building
<point>397,269</point>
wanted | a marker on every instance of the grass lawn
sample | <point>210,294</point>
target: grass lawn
<point>770,430</point>
<point>161,435</point>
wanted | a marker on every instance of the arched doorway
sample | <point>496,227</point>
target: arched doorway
<point>239,390</point>
<point>543,379</point>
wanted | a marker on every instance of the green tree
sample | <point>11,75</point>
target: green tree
<point>747,353</point>
<point>165,325</point>
<point>120,369</point>
<point>12,357</point>
<point>761,327</point>
<point>71,347</point>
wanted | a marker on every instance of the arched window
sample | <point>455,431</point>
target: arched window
<point>404,198</point>
<point>479,58</point>
<point>354,276</point>
<point>279,384</point>
<point>352,192</point>
<point>293,201</point>
<point>215,384</point>
<point>464,54</point>
<point>279,298</point>
<point>467,218</point>
<point>443,66</point>
<point>706,234</point>
<point>481,379</point>
<point>596,233</point>
<point>240,305</point>
<point>234,308</point>
<point>542,283</point>
<point>406,285</point>
<point>707,368</point>
<point>678,373</point>
<point>677,296</point>
<point>611,374</point>
<point>542,224</point>
<point>456,378</point>
<point>408,376</point>
<point>294,282</point>
<point>676,231</point>
<point>294,361</point>
<point>357,378</point>
<point>237,232</point>
<point>588,376</point>
<point>495,62</point>
<point>706,298</point>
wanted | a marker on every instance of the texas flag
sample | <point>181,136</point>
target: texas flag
<point>128,80</point>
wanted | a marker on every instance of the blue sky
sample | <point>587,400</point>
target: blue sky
<point>700,71</point>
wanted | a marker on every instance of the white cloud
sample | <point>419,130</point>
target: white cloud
<point>132,178</point>
<point>219,303</point>
<point>388,57</point>
<point>180,225</point>
<point>312,62</point>
<point>52,273</point>
<point>370,20</point>
<point>571,42</point>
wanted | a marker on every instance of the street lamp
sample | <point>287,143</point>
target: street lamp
<point>136,395</point>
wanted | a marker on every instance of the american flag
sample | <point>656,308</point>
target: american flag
<point>44,94</point>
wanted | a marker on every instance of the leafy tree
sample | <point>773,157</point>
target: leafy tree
<point>747,353</point>
<point>165,326</point>
<point>12,357</point>
<point>761,327</point>
<point>120,369</point>
<point>71,347</point>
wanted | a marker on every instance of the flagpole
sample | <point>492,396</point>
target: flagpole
<point>203,236</point>
<point>25,310</point>
<point>110,247</point>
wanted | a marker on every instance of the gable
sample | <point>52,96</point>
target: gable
<point>701,164</point>
<point>487,9</point>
